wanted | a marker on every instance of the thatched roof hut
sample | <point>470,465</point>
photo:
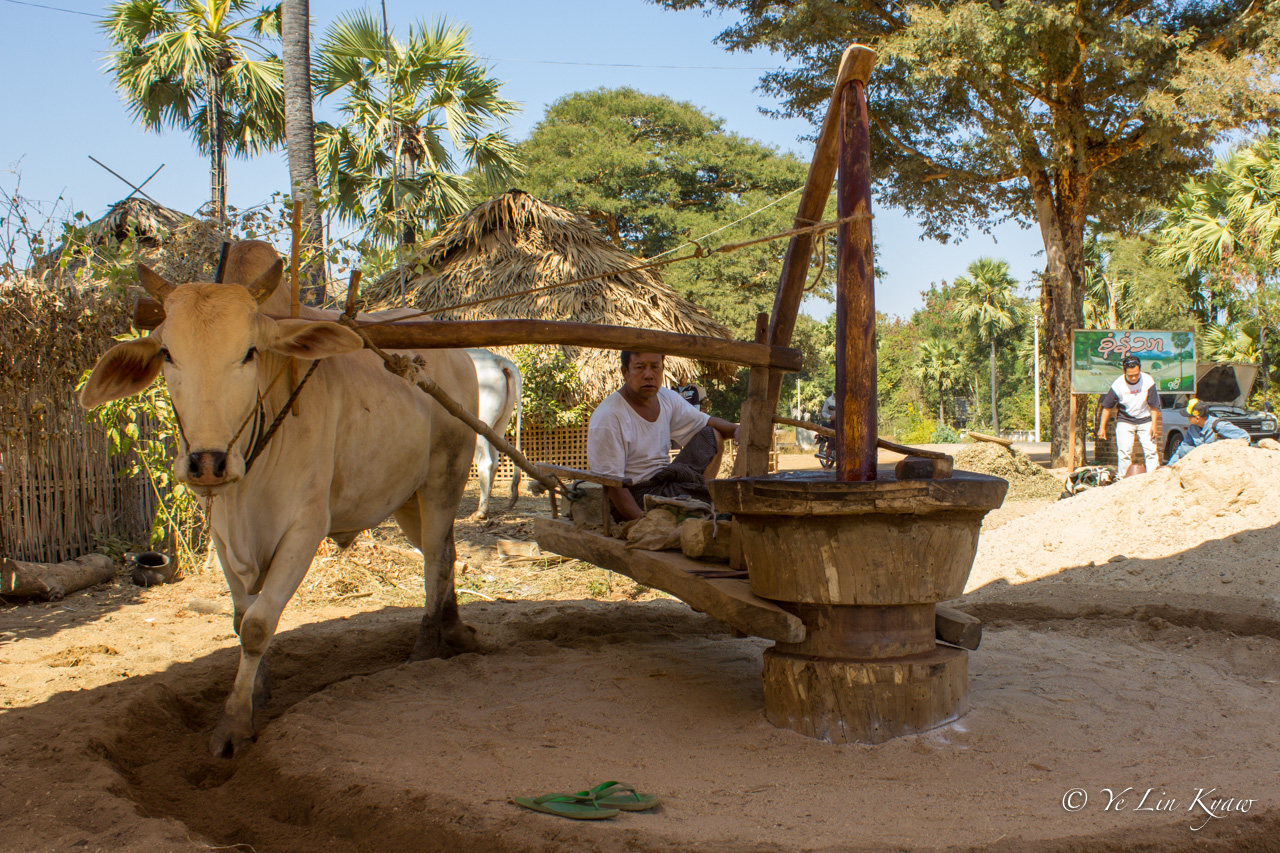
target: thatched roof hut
<point>178,246</point>
<point>515,243</point>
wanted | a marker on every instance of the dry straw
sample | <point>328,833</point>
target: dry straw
<point>516,243</point>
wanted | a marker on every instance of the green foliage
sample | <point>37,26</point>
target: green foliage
<point>551,388</point>
<point>945,435</point>
<point>654,173</point>
<point>917,429</point>
<point>396,176</point>
<point>144,430</point>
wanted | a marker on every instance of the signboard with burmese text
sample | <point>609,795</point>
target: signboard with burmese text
<point>1169,356</point>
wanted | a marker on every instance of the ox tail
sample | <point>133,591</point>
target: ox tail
<point>513,390</point>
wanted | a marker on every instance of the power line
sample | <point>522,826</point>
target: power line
<point>51,8</point>
<point>630,65</point>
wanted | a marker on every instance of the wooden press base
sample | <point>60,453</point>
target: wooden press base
<point>865,701</point>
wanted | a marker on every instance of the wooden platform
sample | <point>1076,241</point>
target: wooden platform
<point>727,599</point>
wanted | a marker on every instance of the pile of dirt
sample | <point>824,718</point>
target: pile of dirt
<point>1027,480</point>
<point>1203,525</point>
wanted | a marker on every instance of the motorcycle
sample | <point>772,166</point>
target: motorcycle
<point>826,452</point>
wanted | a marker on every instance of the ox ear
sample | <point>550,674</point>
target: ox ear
<point>312,339</point>
<point>123,370</point>
<point>154,284</point>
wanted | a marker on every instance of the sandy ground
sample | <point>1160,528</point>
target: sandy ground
<point>1096,676</point>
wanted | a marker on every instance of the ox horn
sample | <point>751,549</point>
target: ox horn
<point>267,282</point>
<point>154,284</point>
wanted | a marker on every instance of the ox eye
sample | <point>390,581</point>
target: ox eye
<point>164,351</point>
<point>249,356</point>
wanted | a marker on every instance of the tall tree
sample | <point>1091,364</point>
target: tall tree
<point>410,109</point>
<point>653,173</point>
<point>300,141</point>
<point>201,66</point>
<point>1228,226</point>
<point>1051,112</point>
<point>938,364</point>
<point>988,304</point>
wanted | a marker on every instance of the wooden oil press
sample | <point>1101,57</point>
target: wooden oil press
<point>846,567</point>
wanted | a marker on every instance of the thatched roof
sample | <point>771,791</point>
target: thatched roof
<point>517,242</point>
<point>178,246</point>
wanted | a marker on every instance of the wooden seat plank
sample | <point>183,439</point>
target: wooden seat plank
<point>729,600</point>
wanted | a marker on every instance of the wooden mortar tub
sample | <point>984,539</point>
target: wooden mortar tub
<point>863,565</point>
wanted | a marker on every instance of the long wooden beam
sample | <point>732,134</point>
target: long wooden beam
<point>455,334</point>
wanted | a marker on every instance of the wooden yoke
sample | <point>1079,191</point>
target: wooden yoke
<point>756,431</point>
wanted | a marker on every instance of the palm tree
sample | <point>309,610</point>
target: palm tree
<point>408,108</point>
<point>200,65</point>
<point>1229,225</point>
<point>987,303</point>
<point>938,363</point>
<point>300,135</point>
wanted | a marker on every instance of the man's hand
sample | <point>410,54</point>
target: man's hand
<point>1155,431</point>
<point>725,428</point>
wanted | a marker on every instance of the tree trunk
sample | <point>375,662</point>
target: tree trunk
<point>300,140</point>
<point>995,415</point>
<point>940,415</point>
<point>1061,221</point>
<point>217,150</point>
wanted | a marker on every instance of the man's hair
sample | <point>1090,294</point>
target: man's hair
<point>1130,361</point>
<point>626,359</point>
<point>1198,409</point>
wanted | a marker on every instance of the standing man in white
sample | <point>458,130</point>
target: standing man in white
<point>1135,397</point>
<point>630,437</point>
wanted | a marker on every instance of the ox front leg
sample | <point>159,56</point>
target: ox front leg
<point>256,624</point>
<point>442,632</point>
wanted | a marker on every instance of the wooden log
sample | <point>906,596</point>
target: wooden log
<point>726,599</point>
<point>755,427</point>
<point>922,468</point>
<point>704,539</point>
<point>566,473</point>
<point>52,581</point>
<point>957,627</point>
<point>994,439</point>
<point>855,64</point>
<point>459,334</point>
<point>872,701</point>
<point>855,445</point>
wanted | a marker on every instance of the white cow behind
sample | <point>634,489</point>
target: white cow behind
<point>364,445</point>
<point>500,386</point>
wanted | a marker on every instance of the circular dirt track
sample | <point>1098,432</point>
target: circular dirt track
<point>426,756</point>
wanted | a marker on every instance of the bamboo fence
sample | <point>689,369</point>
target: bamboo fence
<point>61,494</point>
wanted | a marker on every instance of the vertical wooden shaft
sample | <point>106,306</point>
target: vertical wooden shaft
<point>855,296</point>
<point>1071,454</point>
<point>765,386</point>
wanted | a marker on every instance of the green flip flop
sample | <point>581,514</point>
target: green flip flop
<point>617,795</point>
<point>567,805</point>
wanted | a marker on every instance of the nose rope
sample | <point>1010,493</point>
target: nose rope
<point>271,430</point>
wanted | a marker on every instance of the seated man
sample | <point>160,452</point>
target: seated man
<point>631,432</point>
<point>1204,428</point>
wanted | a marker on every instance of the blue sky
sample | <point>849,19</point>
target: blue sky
<point>59,108</point>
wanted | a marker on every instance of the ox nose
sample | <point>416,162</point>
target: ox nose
<point>207,466</point>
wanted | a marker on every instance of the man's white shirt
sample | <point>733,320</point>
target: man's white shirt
<point>622,444</point>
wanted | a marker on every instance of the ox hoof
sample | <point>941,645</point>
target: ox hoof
<point>229,738</point>
<point>479,515</point>
<point>461,639</point>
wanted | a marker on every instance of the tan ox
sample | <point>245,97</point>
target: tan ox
<point>365,445</point>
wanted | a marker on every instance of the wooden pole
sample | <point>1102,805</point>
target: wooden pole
<point>454,334</point>
<point>856,62</point>
<point>855,296</point>
<point>1071,454</point>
